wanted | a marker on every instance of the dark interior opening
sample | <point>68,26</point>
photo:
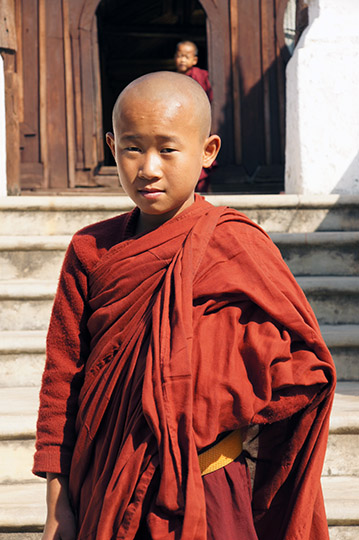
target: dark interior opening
<point>139,37</point>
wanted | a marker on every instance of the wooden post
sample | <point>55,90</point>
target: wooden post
<point>44,151</point>
<point>12,125</point>
<point>70,120</point>
<point>235,81</point>
<point>8,47</point>
<point>268,60</point>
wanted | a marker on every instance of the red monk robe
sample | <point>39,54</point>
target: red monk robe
<point>202,77</point>
<point>157,344</point>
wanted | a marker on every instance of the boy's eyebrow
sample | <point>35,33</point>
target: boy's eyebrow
<point>161,138</point>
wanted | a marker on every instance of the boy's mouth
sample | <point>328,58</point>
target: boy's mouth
<point>150,193</point>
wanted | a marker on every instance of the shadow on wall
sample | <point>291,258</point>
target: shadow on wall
<point>349,182</point>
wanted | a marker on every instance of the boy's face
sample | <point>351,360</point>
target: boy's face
<point>159,150</point>
<point>185,58</point>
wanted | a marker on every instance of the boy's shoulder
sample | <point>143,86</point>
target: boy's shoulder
<point>95,239</point>
<point>235,232</point>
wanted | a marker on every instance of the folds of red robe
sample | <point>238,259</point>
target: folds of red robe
<point>202,77</point>
<point>160,342</point>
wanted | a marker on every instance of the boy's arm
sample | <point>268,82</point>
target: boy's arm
<point>60,521</point>
<point>66,353</point>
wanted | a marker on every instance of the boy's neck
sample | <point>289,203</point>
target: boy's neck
<point>149,222</point>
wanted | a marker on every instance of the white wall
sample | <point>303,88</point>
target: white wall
<point>3,192</point>
<point>322,124</point>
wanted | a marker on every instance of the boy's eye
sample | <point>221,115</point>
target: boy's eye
<point>168,150</point>
<point>133,149</point>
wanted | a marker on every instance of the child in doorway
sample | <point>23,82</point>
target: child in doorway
<point>186,58</point>
<point>176,327</point>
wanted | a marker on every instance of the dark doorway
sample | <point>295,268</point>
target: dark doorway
<point>139,37</point>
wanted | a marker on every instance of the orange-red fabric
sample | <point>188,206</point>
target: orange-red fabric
<point>165,341</point>
<point>202,77</point>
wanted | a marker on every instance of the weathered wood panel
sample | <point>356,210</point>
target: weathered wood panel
<point>59,87</point>
<point>11,83</point>
<point>7,25</point>
<point>219,65</point>
<point>56,95</point>
<point>30,129</point>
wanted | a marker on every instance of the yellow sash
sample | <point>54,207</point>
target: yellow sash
<point>221,454</point>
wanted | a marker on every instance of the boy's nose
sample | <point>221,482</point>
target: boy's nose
<point>150,167</point>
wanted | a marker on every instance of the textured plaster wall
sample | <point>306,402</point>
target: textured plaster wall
<point>2,132</point>
<point>322,124</point>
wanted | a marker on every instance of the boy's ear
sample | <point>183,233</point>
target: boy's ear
<point>211,149</point>
<point>195,60</point>
<point>110,139</point>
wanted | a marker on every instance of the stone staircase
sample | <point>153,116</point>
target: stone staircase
<point>318,237</point>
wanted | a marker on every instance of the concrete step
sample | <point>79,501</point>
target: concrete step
<point>32,257</point>
<point>341,497</point>
<point>318,253</point>
<point>23,506</point>
<point>22,358</point>
<point>276,213</point>
<point>18,413</point>
<point>20,535</point>
<point>343,343</point>
<point>335,533</point>
<point>334,299</point>
<point>26,304</point>
<point>22,354</point>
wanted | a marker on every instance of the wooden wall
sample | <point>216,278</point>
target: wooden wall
<point>59,110</point>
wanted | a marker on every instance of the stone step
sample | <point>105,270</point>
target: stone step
<point>32,257</point>
<point>335,533</point>
<point>334,299</point>
<point>18,413</point>
<point>341,497</point>
<point>22,354</point>
<point>23,507</point>
<point>343,343</point>
<point>26,304</point>
<point>320,253</point>
<point>22,358</point>
<point>44,215</point>
<point>316,253</point>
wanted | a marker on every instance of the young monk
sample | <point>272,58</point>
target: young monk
<point>175,328</point>
<point>186,58</point>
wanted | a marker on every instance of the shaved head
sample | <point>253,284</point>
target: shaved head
<point>176,92</point>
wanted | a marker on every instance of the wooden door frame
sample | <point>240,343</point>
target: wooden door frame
<point>88,122</point>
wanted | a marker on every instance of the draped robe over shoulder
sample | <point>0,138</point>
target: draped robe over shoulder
<point>157,344</point>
